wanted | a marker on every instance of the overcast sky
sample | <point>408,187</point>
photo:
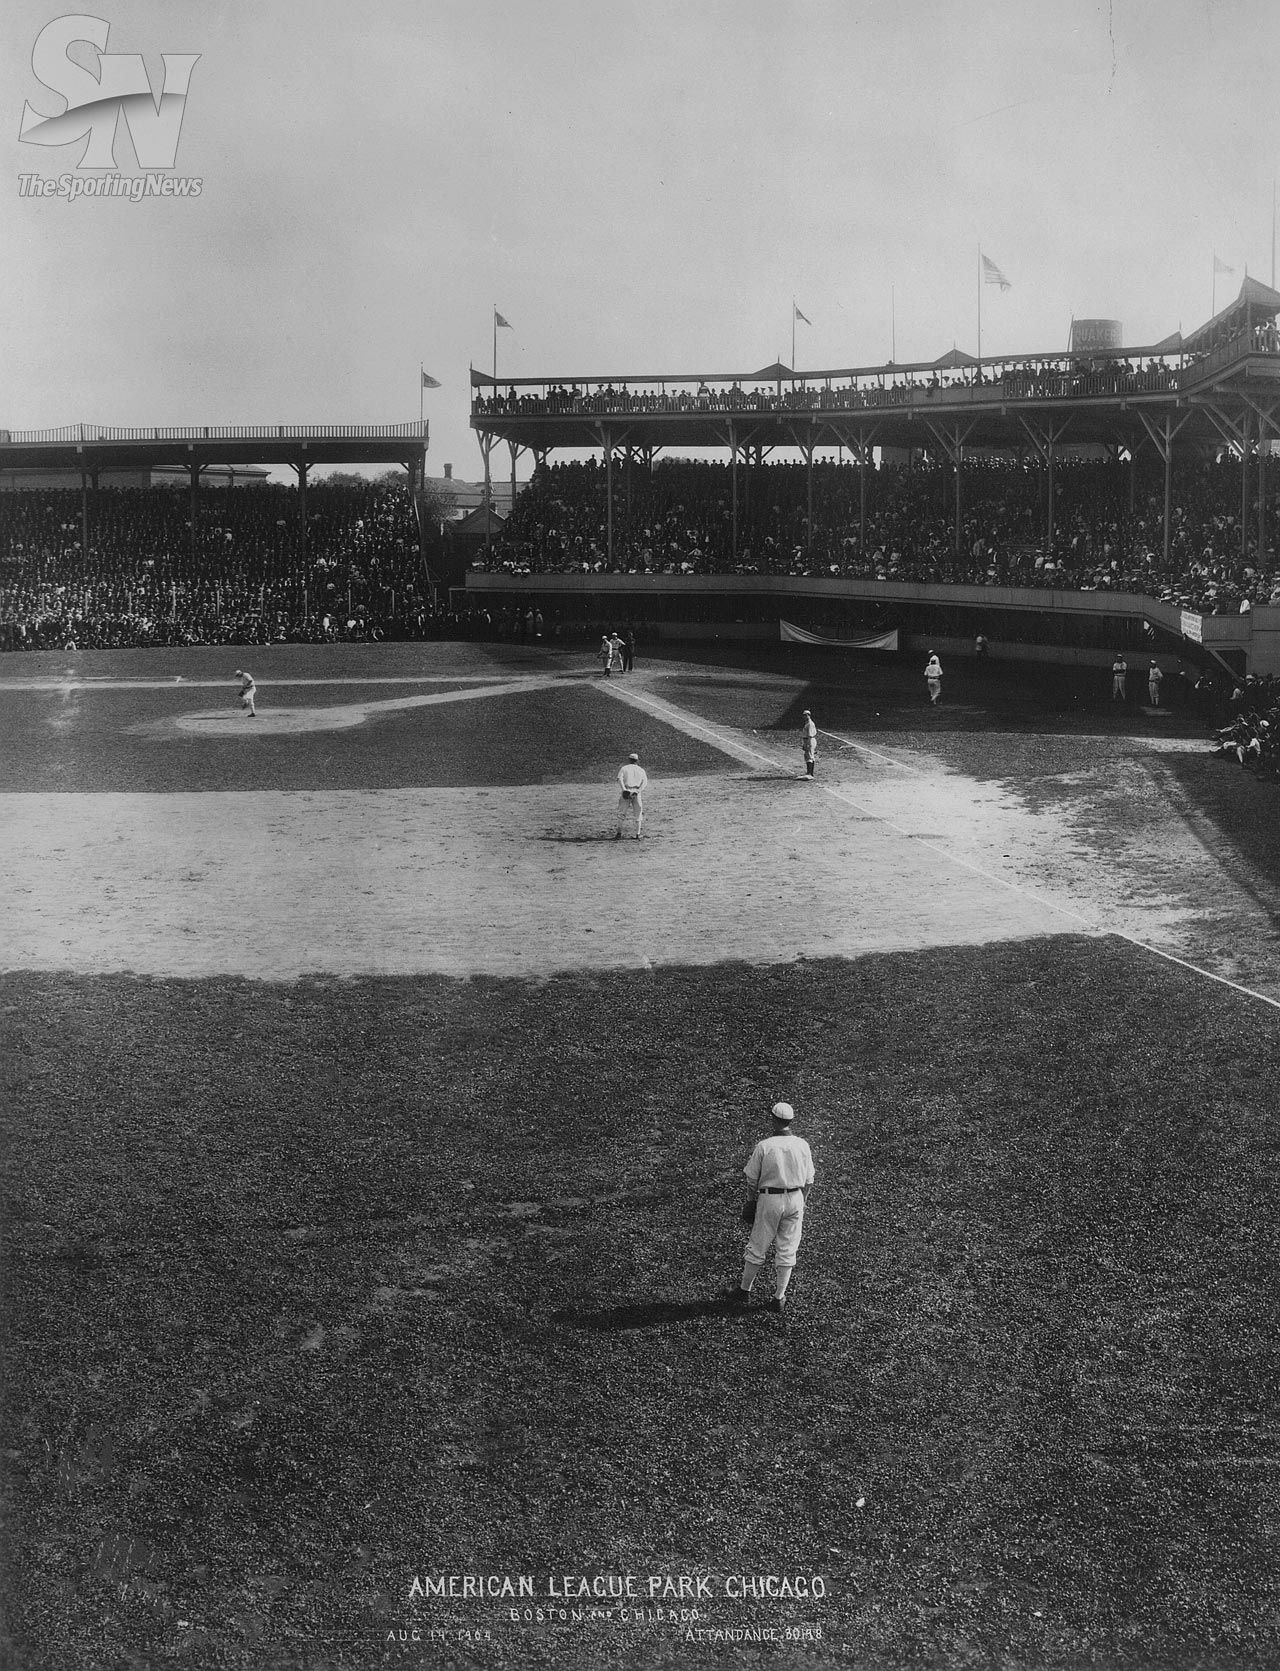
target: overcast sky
<point>639,186</point>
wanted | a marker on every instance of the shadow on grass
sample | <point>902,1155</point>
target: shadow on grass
<point>651,1314</point>
<point>773,777</point>
<point>578,840</point>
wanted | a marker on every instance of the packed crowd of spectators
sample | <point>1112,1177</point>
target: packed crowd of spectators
<point>677,518</point>
<point>1052,376</point>
<point>1062,375</point>
<point>248,577</point>
<point>1251,736</point>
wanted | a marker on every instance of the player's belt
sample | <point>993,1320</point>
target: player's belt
<point>769,1190</point>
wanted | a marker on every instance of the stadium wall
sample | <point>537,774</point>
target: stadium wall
<point>1072,628</point>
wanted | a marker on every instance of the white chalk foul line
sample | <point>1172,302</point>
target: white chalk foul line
<point>659,708</point>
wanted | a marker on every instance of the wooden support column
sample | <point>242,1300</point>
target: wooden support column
<point>486,447</point>
<point>1044,437</point>
<point>951,438</point>
<point>1244,489</point>
<point>733,472</point>
<point>195,503</point>
<point>958,463</point>
<point>84,518</point>
<point>1162,435</point>
<point>1265,411</point>
<point>302,467</point>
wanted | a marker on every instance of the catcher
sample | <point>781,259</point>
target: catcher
<point>780,1173</point>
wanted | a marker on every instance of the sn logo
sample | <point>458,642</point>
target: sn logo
<point>95,104</point>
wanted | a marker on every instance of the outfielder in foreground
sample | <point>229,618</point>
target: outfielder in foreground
<point>632,781</point>
<point>780,1174</point>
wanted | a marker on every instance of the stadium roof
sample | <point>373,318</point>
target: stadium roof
<point>1255,301</point>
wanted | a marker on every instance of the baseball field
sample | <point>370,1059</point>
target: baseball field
<point>372,1142</point>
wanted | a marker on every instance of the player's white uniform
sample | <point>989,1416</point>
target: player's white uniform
<point>933,677</point>
<point>248,693</point>
<point>779,1169</point>
<point>809,744</point>
<point>1119,670</point>
<point>1154,676</point>
<point>632,781</point>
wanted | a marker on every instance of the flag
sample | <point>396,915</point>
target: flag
<point>802,316</point>
<point>1220,266</point>
<point>992,275</point>
<point>500,323</point>
<point>429,382</point>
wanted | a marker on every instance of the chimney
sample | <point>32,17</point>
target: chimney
<point>448,472</point>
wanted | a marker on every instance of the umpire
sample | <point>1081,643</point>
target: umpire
<point>780,1175</point>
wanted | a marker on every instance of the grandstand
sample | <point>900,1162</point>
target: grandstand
<point>1019,474</point>
<point>103,563</point>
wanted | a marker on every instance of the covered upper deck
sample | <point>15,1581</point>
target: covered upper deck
<point>1101,395</point>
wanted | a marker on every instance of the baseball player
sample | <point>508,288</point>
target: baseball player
<point>248,692</point>
<point>780,1175</point>
<point>809,742</point>
<point>1119,672</point>
<point>933,678</point>
<point>617,653</point>
<point>632,782</point>
<point>1154,676</point>
<point>605,652</point>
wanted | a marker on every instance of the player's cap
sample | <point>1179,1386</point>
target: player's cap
<point>784,1112</point>
<point>634,757</point>
<point>807,711</point>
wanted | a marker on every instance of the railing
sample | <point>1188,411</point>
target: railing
<point>920,388</point>
<point>218,432</point>
<point>1242,346</point>
<point>1038,384</point>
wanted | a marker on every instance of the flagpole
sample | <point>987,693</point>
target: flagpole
<point>793,336</point>
<point>893,327</point>
<point>1213,293</point>
<point>495,346</point>
<point>422,371</point>
<point>1273,231</point>
<point>979,304</point>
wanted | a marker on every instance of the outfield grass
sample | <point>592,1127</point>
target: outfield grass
<point>314,1288</point>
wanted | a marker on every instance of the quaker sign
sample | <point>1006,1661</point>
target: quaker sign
<point>1095,336</point>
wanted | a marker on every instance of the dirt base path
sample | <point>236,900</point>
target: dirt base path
<point>512,881</point>
<point>888,849</point>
